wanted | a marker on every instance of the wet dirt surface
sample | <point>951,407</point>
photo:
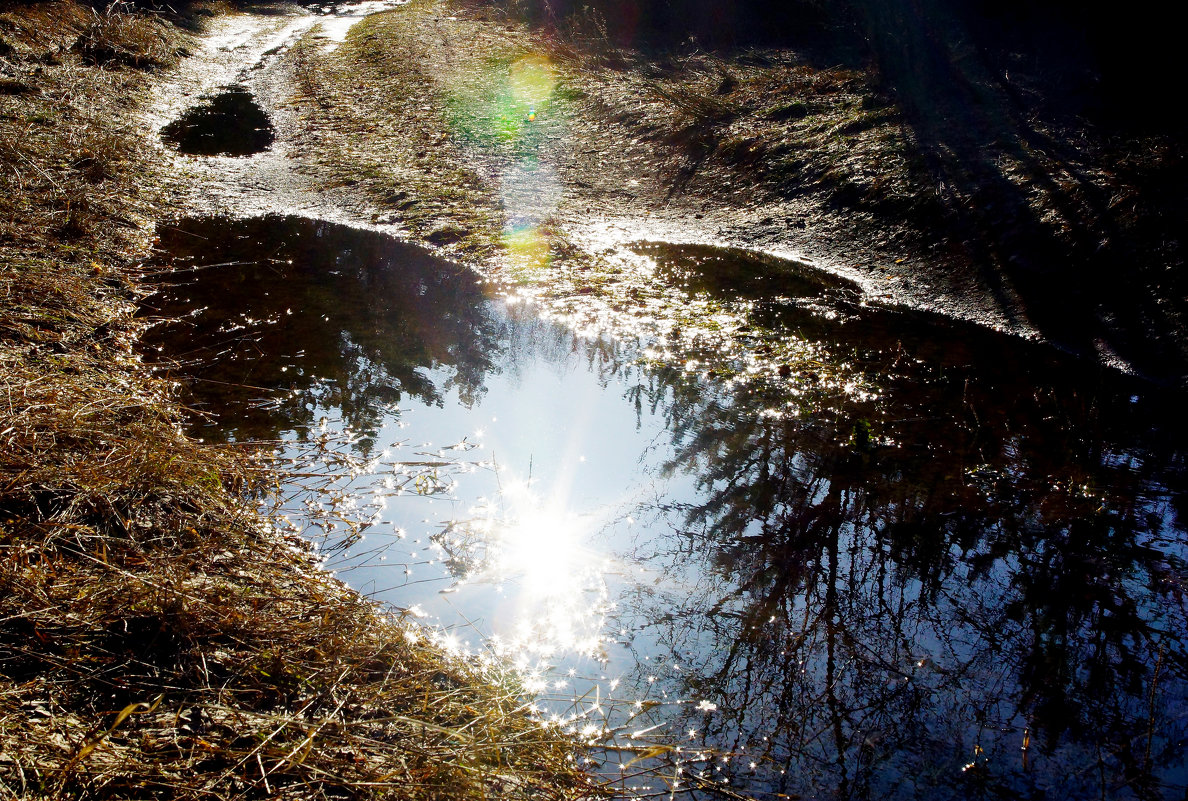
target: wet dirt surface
<point>456,121</point>
<point>404,100</point>
<point>500,148</point>
<point>252,49</point>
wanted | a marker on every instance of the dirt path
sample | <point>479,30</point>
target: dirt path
<point>251,50</point>
<point>430,109</point>
<point>541,158</point>
<point>475,137</point>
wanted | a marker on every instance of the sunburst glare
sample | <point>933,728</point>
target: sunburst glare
<point>541,549</point>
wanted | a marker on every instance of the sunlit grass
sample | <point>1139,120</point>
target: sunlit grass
<point>497,102</point>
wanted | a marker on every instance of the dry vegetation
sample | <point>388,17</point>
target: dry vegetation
<point>158,638</point>
<point>979,169</point>
<point>377,122</point>
<point>415,93</point>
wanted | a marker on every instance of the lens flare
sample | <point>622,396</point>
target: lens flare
<point>507,113</point>
<point>527,250</point>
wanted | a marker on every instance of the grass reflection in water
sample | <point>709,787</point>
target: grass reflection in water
<point>956,571</point>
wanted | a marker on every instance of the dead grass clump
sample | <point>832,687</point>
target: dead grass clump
<point>121,35</point>
<point>78,218</point>
<point>52,305</point>
<point>41,32</point>
<point>701,104</point>
<point>158,639</point>
<point>67,154</point>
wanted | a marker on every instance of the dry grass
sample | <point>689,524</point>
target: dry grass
<point>117,35</point>
<point>67,152</point>
<point>158,637</point>
<point>375,119</point>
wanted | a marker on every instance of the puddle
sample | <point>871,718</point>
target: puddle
<point>959,570</point>
<point>338,19</point>
<point>229,123</point>
<point>337,318</point>
<point>734,273</point>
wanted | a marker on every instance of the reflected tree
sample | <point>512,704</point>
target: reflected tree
<point>284,319</point>
<point>983,596</point>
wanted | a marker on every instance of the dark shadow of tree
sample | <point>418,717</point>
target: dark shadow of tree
<point>1090,267</point>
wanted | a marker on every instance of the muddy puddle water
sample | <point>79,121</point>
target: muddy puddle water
<point>952,566</point>
<point>229,123</point>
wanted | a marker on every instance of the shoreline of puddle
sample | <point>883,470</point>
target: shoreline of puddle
<point>719,511</point>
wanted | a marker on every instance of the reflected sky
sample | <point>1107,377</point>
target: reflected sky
<point>954,567</point>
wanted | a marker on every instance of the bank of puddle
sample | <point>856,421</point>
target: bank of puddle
<point>932,561</point>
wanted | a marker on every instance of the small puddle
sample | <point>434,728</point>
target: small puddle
<point>229,123</point>
<point>954,561</point>
<point>337,19</point>
<point>730,272</point>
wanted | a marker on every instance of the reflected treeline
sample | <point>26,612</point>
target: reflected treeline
<point>969,586</point>
<point>284,318</point>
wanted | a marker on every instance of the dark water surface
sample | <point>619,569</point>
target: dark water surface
<point>229,123</point>
<point>936,563</point>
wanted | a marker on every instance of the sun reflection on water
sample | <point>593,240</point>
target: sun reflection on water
<point>539,552</point>
<point>542,549</point>
<point>550,594</point>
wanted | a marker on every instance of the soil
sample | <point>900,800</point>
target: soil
<point>977,197</point>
